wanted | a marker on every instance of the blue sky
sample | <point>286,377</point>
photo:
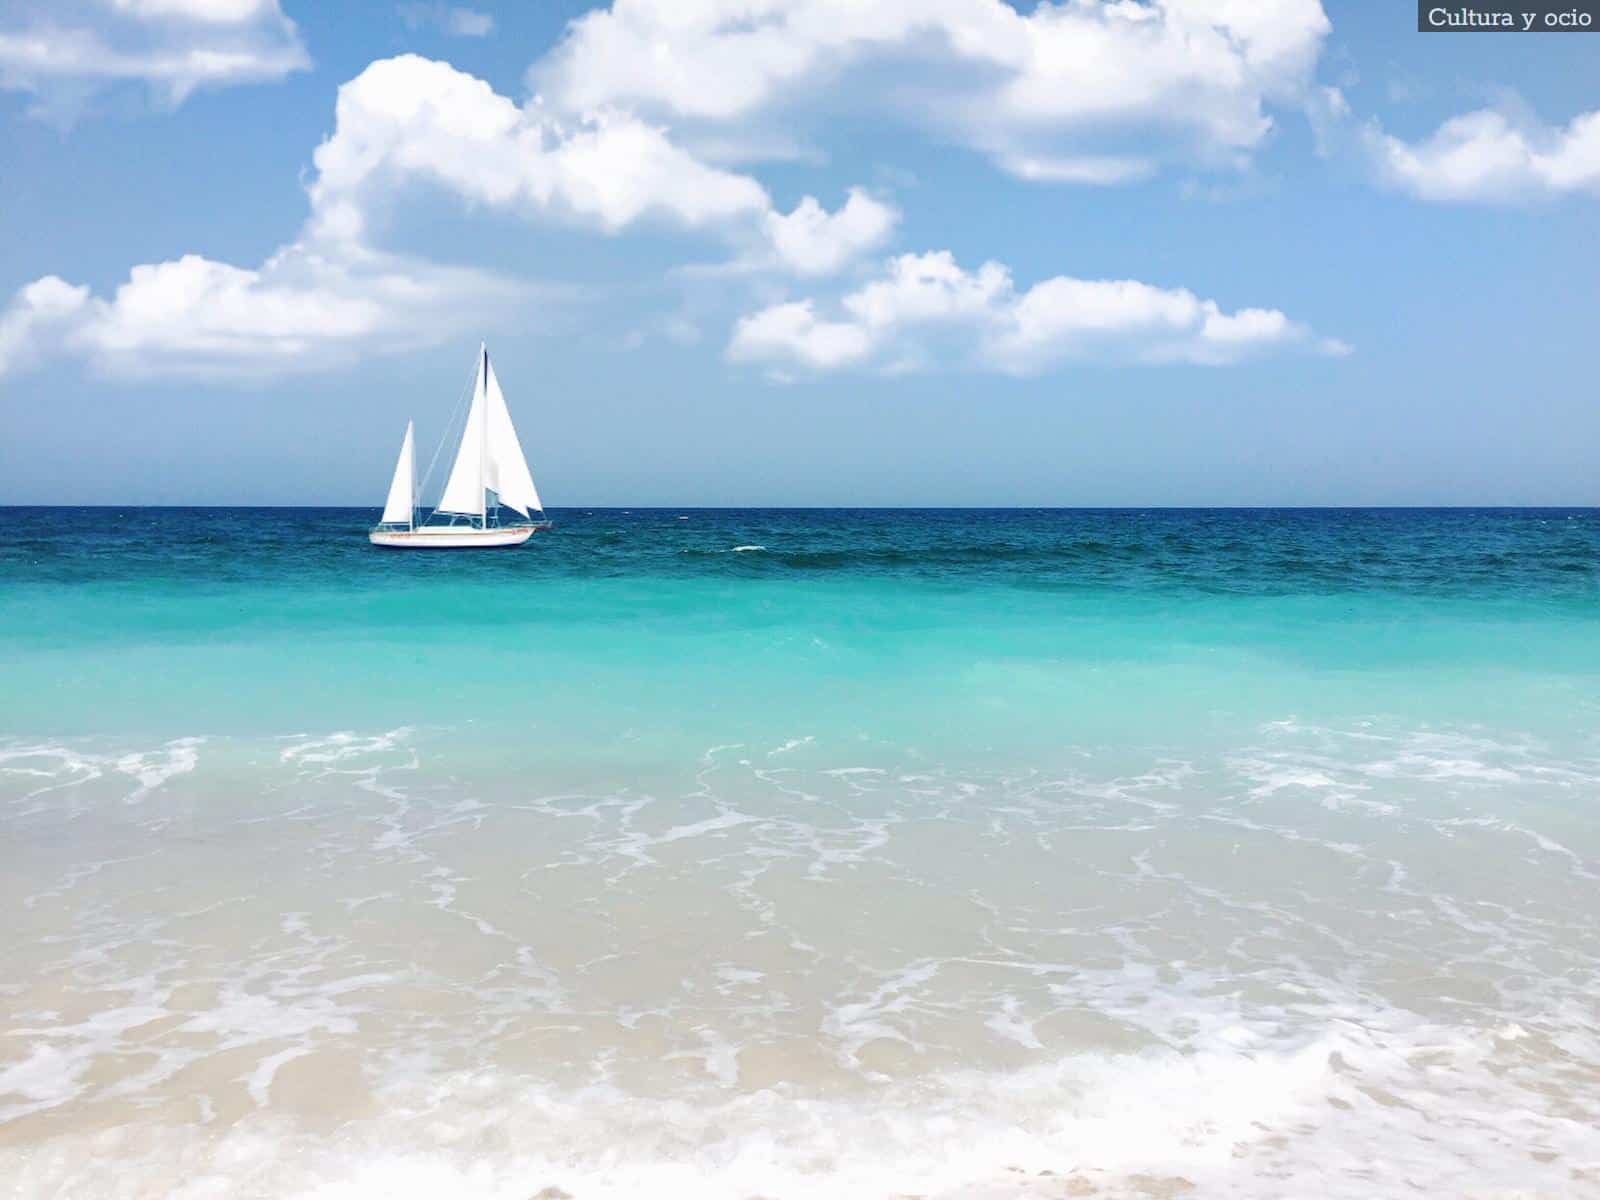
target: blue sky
<point>947,252</point>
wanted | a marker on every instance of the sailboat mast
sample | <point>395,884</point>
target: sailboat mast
<point>483,439</point>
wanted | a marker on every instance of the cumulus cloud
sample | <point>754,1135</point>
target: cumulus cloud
<point>813,241</point>
<point>1095,91</point>
<point>330,293</point>
<point>301,310</point>
<point>413,119</point>
<point>926,309</point>
<point>1490,157</point>
<point>792,334</point>
<point>34,315</point>
<point>66,51</point>
<point>1082,91</point>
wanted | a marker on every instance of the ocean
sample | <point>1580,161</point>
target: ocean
<point>738,854</point>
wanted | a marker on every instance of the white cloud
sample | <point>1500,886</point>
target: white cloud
<point>1084,91</point>
<point>65,52</point>
<point>1487,157</point>
<point>301,310</point>
<point>792,333</point>
<point>329,294</point>
<point>448,19</point>
<point>215,12</point>
<point>35,315</point>
<point>411,119</point>
<point>926,309</point>
<point>1085,169</point>
<point>812,241</point>
<point>925,288</point>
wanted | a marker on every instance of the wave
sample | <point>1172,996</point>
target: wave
<point>1331,960</point>
<point>1347,1112</point>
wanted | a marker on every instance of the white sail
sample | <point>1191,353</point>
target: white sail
<point>463,491</point>
<point>489,459</point>
<point>507,471</point>
<point>397,509</point>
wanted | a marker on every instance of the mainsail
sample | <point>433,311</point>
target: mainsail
<point>490,456</point>
<point>507,473</point>
<point>463,491</point>
<point>397,509</point>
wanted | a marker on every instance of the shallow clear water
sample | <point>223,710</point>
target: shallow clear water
<point>770,854</point>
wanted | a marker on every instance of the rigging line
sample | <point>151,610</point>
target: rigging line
<point>461,404</point>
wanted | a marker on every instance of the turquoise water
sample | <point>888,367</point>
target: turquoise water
<point>775,853</point>
<point>972,629</point>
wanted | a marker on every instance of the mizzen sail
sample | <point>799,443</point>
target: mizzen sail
<point>397,509</point>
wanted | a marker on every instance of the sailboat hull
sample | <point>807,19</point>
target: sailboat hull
<point>445,538</point>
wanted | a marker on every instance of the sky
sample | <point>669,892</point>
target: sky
<point>799,252</point>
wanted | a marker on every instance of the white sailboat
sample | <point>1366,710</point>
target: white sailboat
<point>488,461</point>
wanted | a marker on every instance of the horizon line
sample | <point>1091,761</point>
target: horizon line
<point>883,507</point>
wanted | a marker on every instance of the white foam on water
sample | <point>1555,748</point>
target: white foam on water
<point>1009,1024</point>
<point>1277,969</point>
<point>43,769</point>
<point>717,1054</point>
<point>152,770</point>
<point>1351,1111</point>
<point>28,760</point>
<point>342,746</point>
<point>1547,844</point>
<point>60,1055</point>
<point>75,875</point>
<point>730,977</point>
<point>285,1012</point>
<point>854,1024</point>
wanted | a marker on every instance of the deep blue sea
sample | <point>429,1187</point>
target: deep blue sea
<point>752,852</point>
